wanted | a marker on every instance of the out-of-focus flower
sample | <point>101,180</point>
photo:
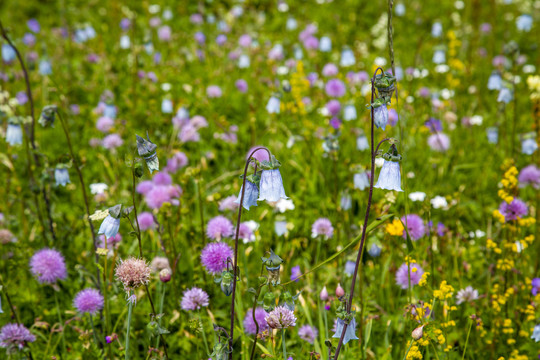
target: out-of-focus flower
<point>219,227</point>
<point>402,277</point>
<point>529,175</point>
<point>322,227</point>
<point>308,333</point>
<point>415,226</point>
<point>514,210</point>
<point>439,202</point>
<point>417,196</point>
<point>194,299</point>
<point>295,273</point>
<point>439,142</point>
<point>249,323</point>
<point>61,176</point>
<point>468,294</point>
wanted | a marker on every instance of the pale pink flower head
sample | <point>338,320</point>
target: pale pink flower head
<point>280,318</point>
<point>133,273</point>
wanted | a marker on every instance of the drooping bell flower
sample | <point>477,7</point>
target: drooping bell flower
<point>166,106</point>
<point>347,58</point>
<point>492,135</point>
<point>390,175</point>
<point>349,112</point>
<point>380,114</point>
<point>350,333</point>
<point>439,57</point>
<point>8,53</point>
<point>111,224</point>
<point>362,142</point>
<point>325,44</point>
<point>505,95</point>
<point>528,143</point>
<point>361,180</point>
<point>271,184</point>
<point>14,134</point>
<point>147,150</point>
<point>250,195</point>
<point>273,105</point>
<point>61,176</point>
<point>47,116</point>
<point>494,81</point>
<point>45,67</point>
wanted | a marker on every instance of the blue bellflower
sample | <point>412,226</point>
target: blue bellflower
<point>528,146</point>
<point>436,29</point>
<point>14,134</point>
<point>389,177</point>
<point>250,195</point>
<point>349,267</point>
<point>362,143</point>
<point>325,44</point>
<point>361,181</point>
<point>109,227</point>
<point>61,176</point>
<point>110,111</point>
<point>347,58</point>
<point>380,116</point>
<point>439,57</point>
<point>349,113</point>
<point>280,227</point>
<point>271,186</point>
<point>273,105</point>
<point>524,23</point>
<point>505,95</point>
<point>166,106</point>
<point>374,250</point>
<point>350,333</point>
<point>492,135</point>
<point>8,53</point>
<point>494,81</point>
<point>45,67</point>
<point>125,42</point>
<point>244,62</point>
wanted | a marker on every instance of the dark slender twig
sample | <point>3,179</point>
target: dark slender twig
<point>239,218</point>
<point>32,127</point>
<point>83,189</point>
<point>364,227</point>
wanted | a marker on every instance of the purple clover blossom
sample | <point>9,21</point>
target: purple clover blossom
<point>146,220</point>
<point>48,266</point>
<point>333,107</point>
<point>335,88</point>
<point>434,125</point>
<point>194,299</point>
<point>33,25</point>
<point>529,175</point>
<point>13,337</point>
<point>393,117</point>
<point>415,225</point>
<point>402,279</point>
<point>249,324</point>
<point>245,233</point>
<point>535,283</point>
<point>439,142</point>
<point>516,209</point>
<point>176,162</point>
<point>295,273</point>
<point>322,227</point>
<point>308,333</point>
<point>88,301</point>
<point>228,203</point>
<point>214,257</point>
<point>219,227</point>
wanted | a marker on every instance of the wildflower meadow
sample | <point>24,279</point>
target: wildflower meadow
<point>288,180</point>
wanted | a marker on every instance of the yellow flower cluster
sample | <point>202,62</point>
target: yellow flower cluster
<point>414,352</point>
<point>423,279</point>
<point>515,356</point>
<point>440,336</point>
<point>505,264</point>
<point>445,291</point>
<point>299,87</point>
<point>490,244</point>
<point>395,228</point>
<point>421,312</point>
<point>507,327</point>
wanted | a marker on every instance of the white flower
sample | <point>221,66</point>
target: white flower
<point>252,225</point>
<point>476,120</point>
<point>480,233</point>
<point>439,202</point>
<point>466,295</point>
<point>98,188</point>
<point>283,205</point>
<point>417,196</point>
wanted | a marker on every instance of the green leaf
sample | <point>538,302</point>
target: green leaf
<point>370,227</point>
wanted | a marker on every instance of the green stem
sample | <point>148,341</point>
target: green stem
<point>408,349</point>
<point>130,310</point>
<point>60,320</point>
<point>204,334</point>
<point>284,346</point>
<point>93,330</point>
<point>467,341</point>
<point>162,288</point>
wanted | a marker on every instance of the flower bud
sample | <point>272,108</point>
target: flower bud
<point>165,275</point>
<point>418,332</point>
<point>324,294</point>
<point>339,291</point>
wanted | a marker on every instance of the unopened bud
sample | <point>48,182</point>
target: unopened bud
<point>324,294</point>
<point>339,291</point>
<point>418,332</point>
<point>165,275</point>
